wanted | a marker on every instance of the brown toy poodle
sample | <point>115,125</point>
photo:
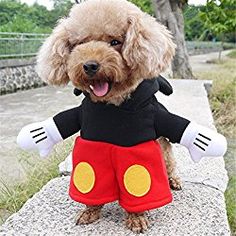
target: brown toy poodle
<point>113,45</point>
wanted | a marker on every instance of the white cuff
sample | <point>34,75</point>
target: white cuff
<point>189,134</point>
<point>52,130</point>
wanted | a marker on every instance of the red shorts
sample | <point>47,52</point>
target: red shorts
<point>135,176</point>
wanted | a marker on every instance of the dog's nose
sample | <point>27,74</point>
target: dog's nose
<point>91,67</point>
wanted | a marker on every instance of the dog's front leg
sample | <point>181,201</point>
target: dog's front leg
<point>89,215</point>
<point>137,222</point>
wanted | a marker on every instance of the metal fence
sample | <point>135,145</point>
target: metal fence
<point>19,45</point>
<point>15,45</point>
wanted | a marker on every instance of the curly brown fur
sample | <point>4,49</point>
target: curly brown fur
<point>174,180</point>
<point>137,222</point>
<point>145,48</point>
<point>89,215</point>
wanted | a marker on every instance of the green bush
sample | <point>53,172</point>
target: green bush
<point>21,24</point>
<point>18,17</point>
<point>145,5</point>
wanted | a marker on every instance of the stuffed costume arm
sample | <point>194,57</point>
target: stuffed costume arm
<point>199,140</point>
<point>42,136</point>
<point>69,122</point>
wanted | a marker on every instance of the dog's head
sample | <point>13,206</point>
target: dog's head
<point>106,48</point>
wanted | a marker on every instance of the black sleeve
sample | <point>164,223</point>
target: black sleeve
<point>68,122</point>
<point>164,86</point>
<point>169,125</point>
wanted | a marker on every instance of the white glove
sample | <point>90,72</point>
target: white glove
<point>42,136</point>
<point>202,141</point>
<point>66,166</point>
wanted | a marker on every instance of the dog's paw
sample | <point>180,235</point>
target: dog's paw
<point>175,183</point>
<point>88,216</point>
<point>136,222</point>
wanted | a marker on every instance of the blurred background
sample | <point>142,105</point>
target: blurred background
<point>204,31</point>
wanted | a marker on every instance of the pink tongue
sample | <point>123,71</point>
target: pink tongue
<point>100,89</point>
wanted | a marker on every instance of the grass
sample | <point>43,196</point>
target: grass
<point>232,54</point>
<point>223,104</point>
<point>38,173</point>
<point>223,95</point>
<point>230,197</point>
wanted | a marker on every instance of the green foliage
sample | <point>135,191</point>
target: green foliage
<point>198,21</point>
<point>9,9</point>
<point>62,7</point>
<point>18,17</point>
<point>21,24</point>
<point>145,5</point>
<point>194,27</point>
<point>41,16</point>
<point>219,16</point>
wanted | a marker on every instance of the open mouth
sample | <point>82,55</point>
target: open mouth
<point>100,88</point>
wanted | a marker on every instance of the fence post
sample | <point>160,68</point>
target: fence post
<point>21,45</point>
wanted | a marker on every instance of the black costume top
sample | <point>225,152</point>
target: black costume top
<point>138,119</point>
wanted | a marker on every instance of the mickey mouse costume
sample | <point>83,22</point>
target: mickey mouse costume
<point>117,156</point>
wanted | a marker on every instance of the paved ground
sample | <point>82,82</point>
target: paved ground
<point>198,62</point>
<point>199,209</point>
<point>19,109</point>
<point>22,108</point>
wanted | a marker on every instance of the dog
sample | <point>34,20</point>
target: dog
<point>129,45</point>
<point>108,49</point>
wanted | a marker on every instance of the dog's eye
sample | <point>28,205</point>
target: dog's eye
<point>115,42</point>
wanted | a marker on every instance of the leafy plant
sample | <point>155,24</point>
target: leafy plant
<point>219,16</point>
<point>145,5</point>
<point>193,25</point>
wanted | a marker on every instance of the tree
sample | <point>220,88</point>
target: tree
<point>170,13</point>
<point>219,16</point>
<point>18,17</point>
<point>145,5</point>
<point>62,7</point>
<point>193,25</point>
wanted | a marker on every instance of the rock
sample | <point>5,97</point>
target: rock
<point>196,210</point>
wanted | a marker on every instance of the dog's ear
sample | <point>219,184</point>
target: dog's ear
<point>52,57</point>
<point>148,48</point>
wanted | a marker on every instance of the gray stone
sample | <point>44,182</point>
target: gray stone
<point>18,73</point>
<point>22,75</point>
<point>3,91</point>
<point>196,210</point>
<point>2,82</point>
<point>18,81</point>
<point>16,62</point>
<point>23,71</point>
